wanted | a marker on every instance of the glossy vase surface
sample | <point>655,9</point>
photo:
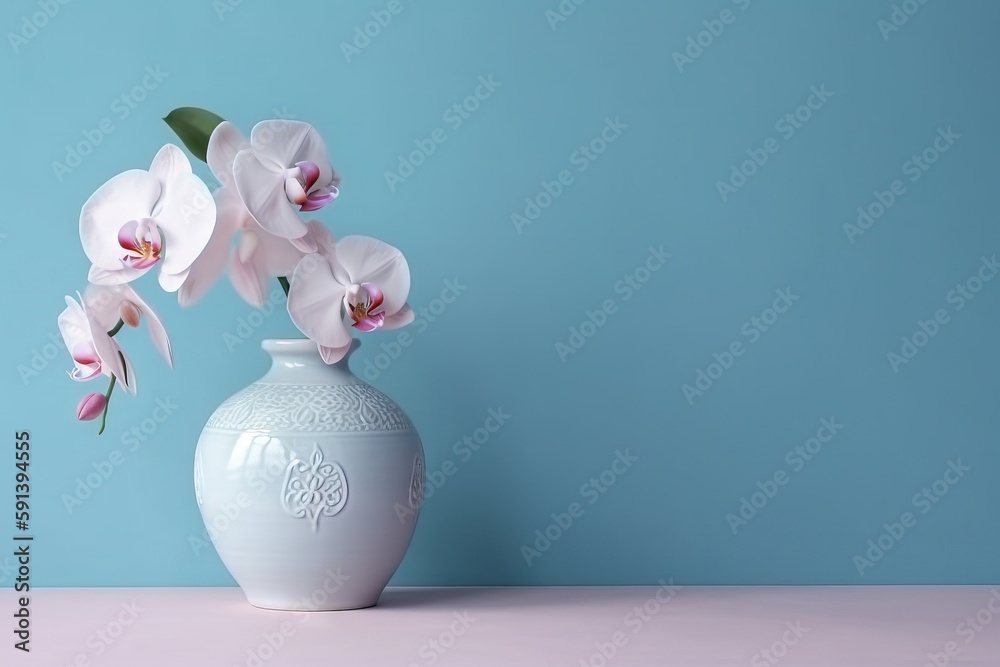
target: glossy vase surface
<point>310,482</point>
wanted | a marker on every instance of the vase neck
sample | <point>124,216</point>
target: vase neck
<point>297,361</point>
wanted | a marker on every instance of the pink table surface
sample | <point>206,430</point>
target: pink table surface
<point>691,626</point>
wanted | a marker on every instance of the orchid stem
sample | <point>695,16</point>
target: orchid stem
<point>117,328</point>
<point>284,284</point>
<point>107,397</point>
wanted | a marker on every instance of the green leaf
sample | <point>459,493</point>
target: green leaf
<point>194,127</point>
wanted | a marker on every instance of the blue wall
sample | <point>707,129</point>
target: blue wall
<point>771,272</point>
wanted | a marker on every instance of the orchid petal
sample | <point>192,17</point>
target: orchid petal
<point>231,216</point>
<point>128,236</point>
<point>352,296</point>
<point>375,295</point>
<point>102,304</point>
<point>74,326</point>
<point>332,355</point>
<point>247,246</point>
<point>318,199</point>
<point>113,359</point>
<point>147,231</point>
<point>400,318</point>
<point>286,143</point>
<point>185,213</point>
<point>224,144</point>
<point>125,274</point>
<point>158,333</point>
<point>276,256</point>
<point>78,374</point>
<point>262,188</point>
<point>370,323</point>
<point>248,282</point>
<point>320,238</point>
<point>305,243</point>
<point>294,191</point>
<point>140,263</point>
<point>84,353</point>
<point>314,302</point>
<point>129,196</point>
<point>310,174</point>
<point>171,282</point>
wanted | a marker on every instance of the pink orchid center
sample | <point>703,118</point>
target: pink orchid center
<point>141,241</point>
<point>363,302</point>
<point>301,189</point>
<point>88,363</point>
<point>86,354</point>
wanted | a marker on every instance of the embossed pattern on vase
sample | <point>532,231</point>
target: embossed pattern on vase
<point>313,489</point>
<point>310,408</point>
<point>417,482</point>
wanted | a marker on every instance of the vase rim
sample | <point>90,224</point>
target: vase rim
<point>296,345</point>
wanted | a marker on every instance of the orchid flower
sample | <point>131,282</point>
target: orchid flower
<point>88,327</point>
<point>357,282</point>
<point>109,303</point>
<point>139,219</point>
<point>259,255</point>
<point>283,166</point>
<point>94,351</point>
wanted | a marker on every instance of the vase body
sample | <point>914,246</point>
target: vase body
<point>310,483</point>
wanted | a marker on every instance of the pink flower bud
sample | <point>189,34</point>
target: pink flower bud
<point>129,313</point>
<point>91,407</point>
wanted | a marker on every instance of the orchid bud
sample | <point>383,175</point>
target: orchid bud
<point>129,313</point>
<point>91,407</point>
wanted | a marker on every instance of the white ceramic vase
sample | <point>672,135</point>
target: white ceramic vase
<point>310,482</point>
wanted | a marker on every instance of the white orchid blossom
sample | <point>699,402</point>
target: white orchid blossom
<point>139,219</point>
